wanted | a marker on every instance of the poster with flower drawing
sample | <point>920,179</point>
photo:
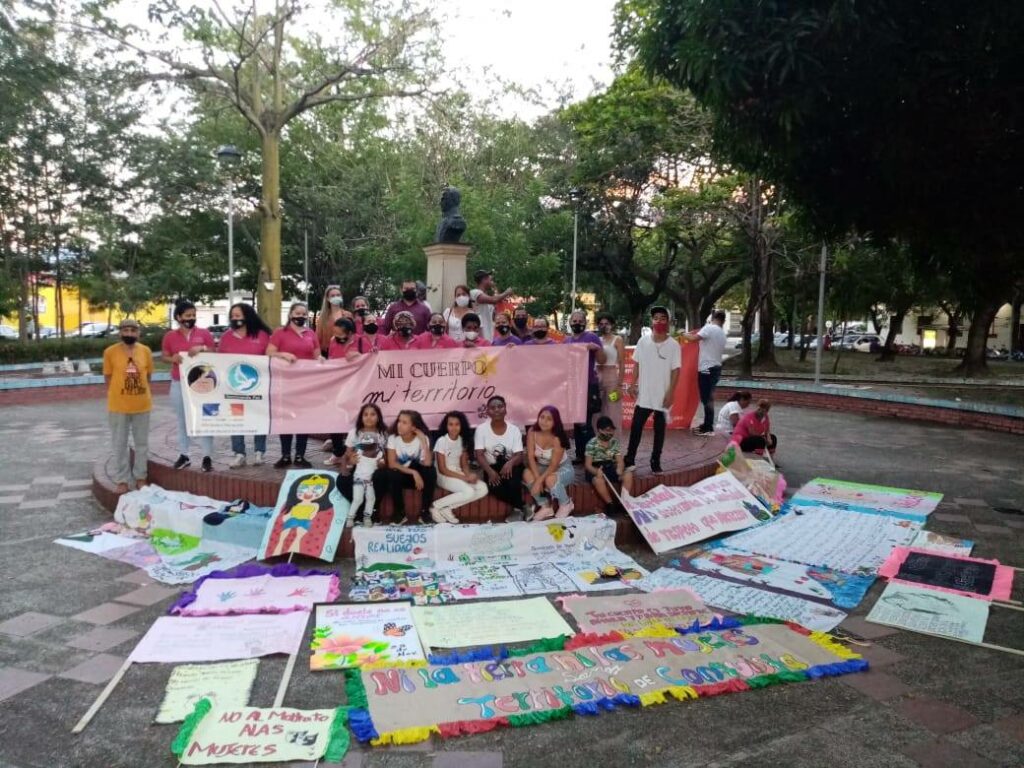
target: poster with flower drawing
<point>354,634</point>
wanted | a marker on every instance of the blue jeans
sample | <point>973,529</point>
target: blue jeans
<point>184,441</point>
<point>259,444</point>
<point>706,383</point>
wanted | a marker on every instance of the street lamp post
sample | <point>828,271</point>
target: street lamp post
<point>821,314</point>
<point>228,156</point>
<point>305,259</point>
<point>574,195</point>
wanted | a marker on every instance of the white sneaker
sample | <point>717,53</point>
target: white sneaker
<point>350,522</point>
<point>449,516</point>
<point>257,458</point>
<point>333,461</point>
<point>238,461</point>
<point>327,445</point>
<point>367,522</point>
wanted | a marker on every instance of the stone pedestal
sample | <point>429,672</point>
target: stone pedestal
<point>446,268</point>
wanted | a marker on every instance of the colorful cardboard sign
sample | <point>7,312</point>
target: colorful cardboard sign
<point>862,496</point>
<point>632,613</point>
<point>352,634</point>
<point>309,516</point>
<point>258,590</point>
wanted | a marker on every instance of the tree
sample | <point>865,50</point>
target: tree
<point>893,119</point>
<point>272,70</point>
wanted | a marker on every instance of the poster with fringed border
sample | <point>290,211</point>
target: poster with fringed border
<point>585,675</point>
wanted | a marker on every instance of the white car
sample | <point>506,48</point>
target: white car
<point>94,330</point>
<point>863,342</point>
<point>8,332</point>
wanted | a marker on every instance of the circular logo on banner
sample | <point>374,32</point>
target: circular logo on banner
<point>243,378</point>
<point>202,379</point>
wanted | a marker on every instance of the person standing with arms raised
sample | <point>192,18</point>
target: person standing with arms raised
<point>656,363</point>
<point>484,300</point>
<point>408,303</point>
<point>128,370</point>
<point>584,431</point>
<point>709,366</point>
<point>186,339</point>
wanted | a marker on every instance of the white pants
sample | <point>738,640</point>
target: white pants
<point>362,490</point>
<point>460,492</point>
<point>178,403</point>
<point>120,425</point>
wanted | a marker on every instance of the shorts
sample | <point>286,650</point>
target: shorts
<point>610,473</point>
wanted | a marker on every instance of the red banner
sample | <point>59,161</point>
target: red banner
<point>687,397</point>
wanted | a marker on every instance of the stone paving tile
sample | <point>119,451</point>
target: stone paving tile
<point>14,681</point>
<point>947,517</point>
<point>106,613</point>
<point>937,716</point>
<point>36,504</point>
<point>866,629</point>
<point>971,502</point>
<point>877,685</point>
<point>48,480</point>
<point>468,760</point>
<point>16,499</point>
<point>148,595</point>
<point>69,495</point>
<point>991,743</point>
<point>29,623</point>
<point>989,528</point>
<point>12,488</point>
<point>137,577</point>
<point>879,655</point>
<point>97,670</point>
<point>1015,523</point>
<point>101,638</point>
<point>943,754</point>
<point>1012,726</point>
<point>78,482</point>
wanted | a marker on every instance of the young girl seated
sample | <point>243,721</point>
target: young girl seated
<point>549,466</point>
<point>410,465</point>
<point>368,461</point>
<point>731,412</point>
<point>451,451</point>
<point>605,463</point>
<point>369,427</point>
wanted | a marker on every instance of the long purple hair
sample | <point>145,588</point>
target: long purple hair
<point>556,428</point>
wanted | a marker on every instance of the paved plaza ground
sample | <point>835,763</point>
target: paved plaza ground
<point>68,620</point>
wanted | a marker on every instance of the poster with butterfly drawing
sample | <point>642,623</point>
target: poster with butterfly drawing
<point>355,634</point>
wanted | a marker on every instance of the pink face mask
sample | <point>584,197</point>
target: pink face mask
<point>660,326</point>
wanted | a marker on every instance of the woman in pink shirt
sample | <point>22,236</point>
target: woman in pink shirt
<point>402,336</point>
<point>188,340</point>
<point>332,310</point>
<point>291,342</point>
<point>754,430</point>
<point>249,335</point>
<point>435,337</point>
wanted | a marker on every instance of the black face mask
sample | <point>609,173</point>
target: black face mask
<point>370,328</point>
<point>341,339</point>
<point>405,331</point>
<point>577,327</point>
<point>129,340</point>
<point>236,324</point>
<point>362,312</point>
<point>189,323</point>
<point>409,295</point>
<point>539,334</point>
<point>520,322</point>
<point>503,329</point>
<point>437,330</point>
<point>299,321</point>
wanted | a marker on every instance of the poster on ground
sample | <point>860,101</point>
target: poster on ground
<point>968,576</point>
<point>176,639</point>
<point>631,613</point>
<point>861,496</point>
<point>927,610</point>
<point>309,516</point>
<point>352,634</point>
<point>497,622</point>
<point>225,685</point>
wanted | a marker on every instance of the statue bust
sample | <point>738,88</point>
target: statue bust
<point>452,224</point>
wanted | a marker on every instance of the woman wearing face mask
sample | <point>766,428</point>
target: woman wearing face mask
<point>371,337</point>
<point>188,340</point>
<point>435,337</point>
<point>754,430</point>
<point>521,324</point>
<point>249,335</point>
<point>401,337</point>
<point>612,370</point>
<point>360,310</point>
<point>345,343</point>
<point>503,335</point>
<point>333,309</point>
<point>471,334</point>
<point>539,333</point>
<point>291,342</point>
<point>453,315</point>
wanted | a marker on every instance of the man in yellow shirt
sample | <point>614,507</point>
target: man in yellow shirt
<point>128,370</point>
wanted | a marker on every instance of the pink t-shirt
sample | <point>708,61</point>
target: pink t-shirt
<point>750,426</point>
<point>177,343</point>
<point>305,346</point>
<point>246,345</point>
<point>426,340</point>
<point>396,343</point>
<point>337,350</point>
<point>479,343</point>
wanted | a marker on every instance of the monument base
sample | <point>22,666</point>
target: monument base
<point>446,268</point>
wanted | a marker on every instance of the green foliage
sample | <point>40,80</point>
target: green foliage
<point>53,350</point>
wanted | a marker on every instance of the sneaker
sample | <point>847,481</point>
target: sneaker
<point>368,522</point>
<point>332,461</point>
<point>564,510</point>
<point>425,517</point>
<point>302,463</point>
<point>443,515</point>
<point>121,488</point>
<point>238,461</point>
<point>207,464</point>
<point>544,513</point>
<point>327,446</point>
<point>182,462</point>
<point>257,458</point>
<point>284,461</point>
<point>140,484</point>
<point>350,522</point>
<point>656,468</point>
<point>518,514</point>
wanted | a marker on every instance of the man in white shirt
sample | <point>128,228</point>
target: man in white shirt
<point>484,301</point>
<point>498,446</point>
<point>656,362</point>
<point>709,366</point>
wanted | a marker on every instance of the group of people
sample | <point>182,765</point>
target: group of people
<point>532,476</point>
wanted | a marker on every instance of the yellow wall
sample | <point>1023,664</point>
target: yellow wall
<point>156,314</point>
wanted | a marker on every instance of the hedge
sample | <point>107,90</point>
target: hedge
<point>50,350</point>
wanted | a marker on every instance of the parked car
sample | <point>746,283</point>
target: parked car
<point>861,342</point>
<point>8,332</point>
<point>95,330</point>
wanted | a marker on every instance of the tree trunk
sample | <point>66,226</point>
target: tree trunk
<point>952,333</point>
<point>888,353</point>
<point>636,324</point>
<point>766,347</point>
<point>974,363</point>
<point>268,302</point>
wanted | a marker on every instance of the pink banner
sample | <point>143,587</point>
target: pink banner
<point>317,397</point>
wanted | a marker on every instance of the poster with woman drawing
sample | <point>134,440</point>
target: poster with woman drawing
<point>308,517</point>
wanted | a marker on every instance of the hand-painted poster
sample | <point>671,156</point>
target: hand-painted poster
<point>861,496</point>
<point>495,622</point>
<point>932,612</point>
<point>309,516</point>
<point>968,576</point>
<point>821,535</point>
<point>353,634</point>
<point>938,542</point>
<point>749,601</point>
<point>230,394</point>
<point>175,639</point>
<point>631,613</point>
<point>671,517</point>
<point>406,705</point>
<point>225,685</point>
<point>215,734</point>
<point>843,590</point>
<point>256,589</point>
<point>420,587</point>
<point>759,477</point>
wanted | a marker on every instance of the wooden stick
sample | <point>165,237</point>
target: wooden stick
<point>104,695</point>
<point>1013,605</point>
<point>285,680</point>
<point>990,646</point>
